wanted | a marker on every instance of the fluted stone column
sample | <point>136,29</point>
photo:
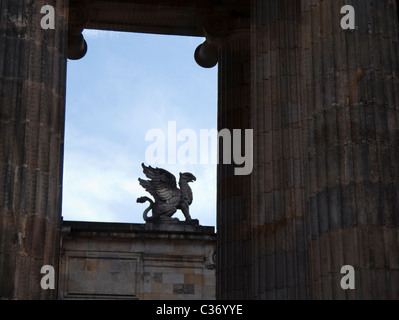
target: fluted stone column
<point>228,42</point>
<point>325,112</point>
<point>352,92</point>
<point>278,221</point>
<point>32,107</point>
<point>233,210</point>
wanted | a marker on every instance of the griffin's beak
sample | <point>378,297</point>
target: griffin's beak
<point>194,178</point>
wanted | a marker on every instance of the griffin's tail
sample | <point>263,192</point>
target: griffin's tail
<point>145,213</point>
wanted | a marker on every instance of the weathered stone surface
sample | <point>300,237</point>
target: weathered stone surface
<point>278,217</point>
<point>179,226</point>
<point>128,261</point>
<point>32,104</point>
<point>353,147</point>
<point>328,138</point>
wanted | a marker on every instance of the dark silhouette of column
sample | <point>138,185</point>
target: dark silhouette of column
<point>228,43</point>
<point>352,166</point>
<point>325,191</point>
<point>233,208</point>
<point>278,217</point>
<point>32,106</point>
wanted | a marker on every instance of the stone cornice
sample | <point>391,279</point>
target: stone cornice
<point>218,21</point>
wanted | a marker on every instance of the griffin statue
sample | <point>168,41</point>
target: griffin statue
<point>168,198</point>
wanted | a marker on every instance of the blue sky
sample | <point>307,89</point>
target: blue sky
<point>127,84</point>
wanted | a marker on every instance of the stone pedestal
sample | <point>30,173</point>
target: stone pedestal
<point>178,226</point>
<point>130,261</point>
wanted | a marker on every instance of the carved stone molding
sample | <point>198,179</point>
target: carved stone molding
<point>218,29</point>
<point>210,260</point>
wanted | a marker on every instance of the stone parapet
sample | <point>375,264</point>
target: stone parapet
<point>136,261</point>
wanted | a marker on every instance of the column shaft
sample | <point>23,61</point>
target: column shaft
<point>233,210</point>
<point>325,113</point>
<point>278,222</point>
<point>352,143</point>
<point>32,99</point>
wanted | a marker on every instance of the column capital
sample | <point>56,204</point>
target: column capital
<point>79,17</point>
<point>220,28</point>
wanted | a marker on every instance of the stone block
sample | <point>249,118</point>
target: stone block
<point>187,289</point>
<point>194,279</point>
<point>173,278</point>
<point>208,292</point>
<point>209,280</point>
<point>181,226</point>
<point>178,288</point>
<point>157,277</point>
<point>162,288</point>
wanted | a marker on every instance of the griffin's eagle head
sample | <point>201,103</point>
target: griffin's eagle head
<point>189,177</point>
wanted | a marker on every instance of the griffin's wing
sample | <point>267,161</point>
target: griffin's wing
<point>162,185</point>
<point>160,174</point>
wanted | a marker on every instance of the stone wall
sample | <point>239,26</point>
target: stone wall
<point>136,261</point>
